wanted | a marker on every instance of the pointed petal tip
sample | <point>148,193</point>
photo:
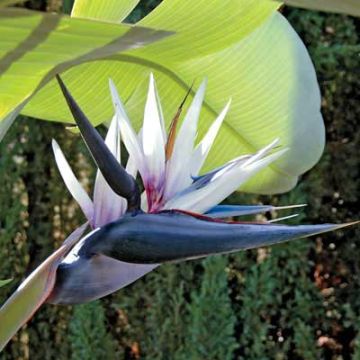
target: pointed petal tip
<point>111,84</point>
<point>285,207</point>
<point>321,228</point>
<point>344,225</point>
<point>272,145</point>
<point>203,84</point>
<point>257,160</point>
<point>114,94</point>
<point>200,91</point>
<point>117,102</point>
<point>260,155</point>
<point>276,140</point>
<point>152,86</point>
<point>278,153</point>
<point>324,228</point>
<point>283,218</point>
<point>225,109</point>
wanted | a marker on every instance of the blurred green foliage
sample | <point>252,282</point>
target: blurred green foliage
<point>90,340</point>
<point>294,301</point>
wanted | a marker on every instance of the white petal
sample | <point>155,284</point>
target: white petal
<point>131,167</point>
<point>144,202</point>
<point>128,134</point>
<point>161,115</point>
<point>113,139</point>
<point>153,140</point>
<point>178,171</point>
<point>220,187</point>
<point>73,185</point>
<point>118,105</point>
<point>108,206</point>
<point>202,150</point>
<point>262,152</point>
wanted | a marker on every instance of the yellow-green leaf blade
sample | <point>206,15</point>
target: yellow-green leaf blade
<point>268,74</point>
<point>35,46</point>
<point>109,10</point>
<point>202,27</point>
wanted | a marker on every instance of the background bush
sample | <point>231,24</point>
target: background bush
<point>293,301</point>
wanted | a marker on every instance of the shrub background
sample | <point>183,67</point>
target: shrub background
<point>294,301</point>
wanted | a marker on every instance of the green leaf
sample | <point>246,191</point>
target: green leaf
<point>349,7</point>
<point>109,10</point>
<point>33,292</point>
<point>248,52</point>
<point>5,282</point>
<point>35,46</point>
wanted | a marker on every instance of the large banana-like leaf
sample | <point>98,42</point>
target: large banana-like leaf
<point>350,7</point>
<point>115,10</point>
<point>32,293</point>
<point>247,50</point>
<point>35,46</point>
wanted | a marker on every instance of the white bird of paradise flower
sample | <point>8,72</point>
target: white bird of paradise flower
<point>169,167</point>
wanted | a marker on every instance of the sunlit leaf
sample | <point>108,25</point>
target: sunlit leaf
<point>35,46</point>
<point>109,10</point>
<point>5,282</point>
<point>248,52</point>
<point>33,291</point>
<point>350,7</point>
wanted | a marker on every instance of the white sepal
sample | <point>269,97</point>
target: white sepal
<point>72,183</point>
<point>153,142</point>
<point>178,171</point>
<point>128,134</point>
<point>108,206</point>
<point>202,150</point>
<point>221,185</point>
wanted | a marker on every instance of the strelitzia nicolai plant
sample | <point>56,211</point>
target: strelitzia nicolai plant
<point>177,218</point>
